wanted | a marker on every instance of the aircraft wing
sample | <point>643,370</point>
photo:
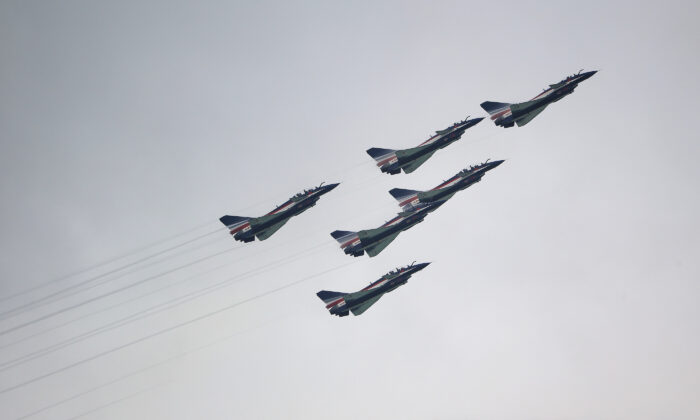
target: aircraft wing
<point>267,232</point>
<point>447,197</point>
<point>375,249</point>
<point>529,116</point>
<point>360,309</point>
<point>416,163</point>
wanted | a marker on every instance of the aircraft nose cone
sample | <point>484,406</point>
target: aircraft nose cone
<point>329,187</point>
<point>495,163</point>
<point>475,121</point>
<point>421,266</point>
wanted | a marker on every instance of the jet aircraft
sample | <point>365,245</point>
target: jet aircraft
<point>341,304</point>
<point>408,199</point>
<point>393,161</point>
<point>506,115</point>
<point>375,240</point>
<point>246,229</point>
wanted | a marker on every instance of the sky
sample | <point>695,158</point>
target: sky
<point>562,286</point>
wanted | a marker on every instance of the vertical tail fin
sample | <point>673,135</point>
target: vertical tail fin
<point>406,198</point>
<point>335,302</point>
<point>382,156</point>
<point>239,227</point>
<point>329,297</point>
<point>494,107</point>
<point>235,222</point>
<point>344,237</point>
<point>379,154</point>
<point>501,113</point>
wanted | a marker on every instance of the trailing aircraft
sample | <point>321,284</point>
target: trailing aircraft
<point>506,115</point>
<point>408,199</point>
<point>375,240</point>
<point>394,161</point>
<point>341,304</point>
<point>246,229</point>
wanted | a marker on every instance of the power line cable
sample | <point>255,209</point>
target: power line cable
<point>167,286</point>
<point>112,292</point>
<point>34,303</point>
<point>100,264</point>
<point>168,329</point>
<point>149,367</point>
<point>117,401</point>
<point>153,310</point>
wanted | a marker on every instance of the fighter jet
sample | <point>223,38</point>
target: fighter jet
<point>408,199</point>
<point>393,161</point>
<point>375,240</point>
<point>341,304</point>
<point>506,115</point>
<point>246,229</point>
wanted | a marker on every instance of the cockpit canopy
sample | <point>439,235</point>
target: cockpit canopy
<point>453,126</point>
<point>473,168</point>
<point>309,191</point>
<point>399,270</point>
<point>568,79</point>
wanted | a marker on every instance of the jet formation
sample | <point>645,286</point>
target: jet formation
<point>246,229</point>
<point>408,160</point>
<point>505,115</point>
<point>341,304</point>
<point>415,205</point>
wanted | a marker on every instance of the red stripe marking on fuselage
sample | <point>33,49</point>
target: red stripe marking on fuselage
<point>243,226</point>
<point>386,160</point>
<point>391,221</point>
<point>445,183</point>
<point>330,305</point>
<point>428,140</point>
<point>545,91</point>
<point>282,207</point>
<point>348,242</point>
<point>374,284</point>
<point>494,116</point>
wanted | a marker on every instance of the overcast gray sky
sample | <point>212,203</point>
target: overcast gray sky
<point>563,286</point>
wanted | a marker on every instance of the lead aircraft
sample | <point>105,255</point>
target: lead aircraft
<point>506,115</point>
